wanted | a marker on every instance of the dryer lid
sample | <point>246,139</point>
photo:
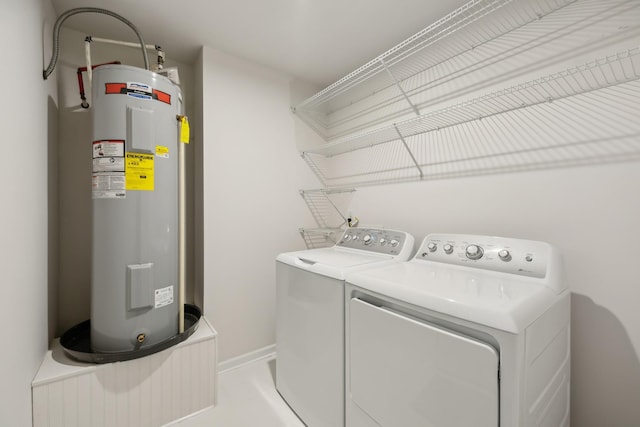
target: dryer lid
<point>498,300</point>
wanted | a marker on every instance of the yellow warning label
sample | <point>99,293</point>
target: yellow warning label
<point>184,130</point>
<point>139,171</point>
<point>162,151</point>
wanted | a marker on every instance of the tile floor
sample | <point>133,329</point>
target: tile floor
<point>247,397</point>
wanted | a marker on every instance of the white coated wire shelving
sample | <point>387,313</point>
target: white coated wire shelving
<point>400,118</point>
<point>319,237</point>
<point>327,208</point>
<point>584,114</point>
<point>403,80</point>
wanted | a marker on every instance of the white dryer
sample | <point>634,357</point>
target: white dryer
<point>310,318</point>
<point>472,332</point>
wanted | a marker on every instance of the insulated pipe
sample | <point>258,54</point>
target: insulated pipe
<point>83,97</point>
<point>121,43</point>
<point>182,231</point>
<point>182,221</point>
<point>56,35</point>
<point>158,49</point>
<point>87,56</point>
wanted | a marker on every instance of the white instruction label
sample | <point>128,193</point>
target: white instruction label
<point>108,148</point>
<point>108,185</point>
<point>163,297</point>
<point>107,179</point>
<point>108,164</point>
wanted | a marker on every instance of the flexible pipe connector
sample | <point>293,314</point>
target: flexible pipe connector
<point>56,34</point>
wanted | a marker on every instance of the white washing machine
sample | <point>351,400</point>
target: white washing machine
<point>310,318</point>
<point>472,332</point>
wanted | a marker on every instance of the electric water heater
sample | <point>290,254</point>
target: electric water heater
<point>134,279</point>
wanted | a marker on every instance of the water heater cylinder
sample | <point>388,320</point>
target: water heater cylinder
<point>134,279</point>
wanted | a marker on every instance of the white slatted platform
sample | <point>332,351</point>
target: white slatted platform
<point>151,391</point>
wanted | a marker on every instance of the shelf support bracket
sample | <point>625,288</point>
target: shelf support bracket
<point>326,192</point>
<point>344,218</point>
<point>397,83</point>
<point>415,162</point>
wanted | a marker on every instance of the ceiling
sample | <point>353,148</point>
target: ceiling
<point>318,41</point>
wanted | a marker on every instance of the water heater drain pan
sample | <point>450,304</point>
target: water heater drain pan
<point>76,341</point>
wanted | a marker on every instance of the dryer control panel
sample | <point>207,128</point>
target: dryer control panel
<point>516,256</point>
<point>389,242</point>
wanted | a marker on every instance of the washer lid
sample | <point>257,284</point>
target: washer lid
<point>333,262</point>
<point>499,300</point>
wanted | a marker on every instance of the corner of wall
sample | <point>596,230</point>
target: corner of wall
<point>198,180</point>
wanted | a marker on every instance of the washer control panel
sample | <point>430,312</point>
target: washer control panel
<point>377,240</point>
<point>516,256</point>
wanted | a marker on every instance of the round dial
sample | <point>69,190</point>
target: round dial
<point>504,255</point>
<point>383,241</point>
<point>474,252</point>
<point>448,249</point>
<point>432,247</point>
<point>347,237</point>
<point>394,243</point>
<point>367,239</point>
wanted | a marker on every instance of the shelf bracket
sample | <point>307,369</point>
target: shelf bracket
<point>344,218</point>
<point>415,162</point>
<point>397,83</point>
<point>313,203</point>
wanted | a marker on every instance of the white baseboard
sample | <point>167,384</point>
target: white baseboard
<point>265,353</point>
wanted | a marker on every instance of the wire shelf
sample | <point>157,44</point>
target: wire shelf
<point>320,237</point>
<point>482,35</point>
<point>326,207</point>
<point>585,114</point>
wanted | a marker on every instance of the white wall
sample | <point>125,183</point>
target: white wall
<point>251,207</point>
<point>75,169</point>
<point>27,261</point>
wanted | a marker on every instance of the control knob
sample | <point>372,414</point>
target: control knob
<point>383,241</point>
<point>367,239</point>
<point>504,255</point>
<point>432,247</point>
<point>474,252</point>
<point>448,249</point>
<point>394,243</point>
